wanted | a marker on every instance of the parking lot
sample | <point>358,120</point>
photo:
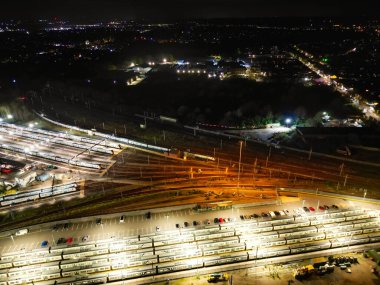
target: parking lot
<point>140,225</point>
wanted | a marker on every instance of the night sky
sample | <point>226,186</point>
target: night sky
<point>182,9</point>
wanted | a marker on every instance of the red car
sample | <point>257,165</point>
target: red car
<point>6,170</point>
<point>311,209</point>
<point>220,220</point>
<point>321,208</point>
<point>69,240</point>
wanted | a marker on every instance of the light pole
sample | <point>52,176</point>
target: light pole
<point>238,183</point>
<point>13,240</point>
<point>288,121</point>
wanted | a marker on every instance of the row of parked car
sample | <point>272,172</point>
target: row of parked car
<point>285,212</point>
<point>206,222</point>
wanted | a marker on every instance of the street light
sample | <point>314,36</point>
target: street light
<point>9,116</point>
<point>288,121</point>
<point>238,183</point>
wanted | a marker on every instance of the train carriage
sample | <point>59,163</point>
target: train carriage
<point>312,246</point>
<point>270,252</point>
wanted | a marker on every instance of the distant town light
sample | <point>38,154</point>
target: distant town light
<point>164,60</point>
<point>9,116</point>
<point>31,125</point>
<point>132,64</point>
<point>288,121</point>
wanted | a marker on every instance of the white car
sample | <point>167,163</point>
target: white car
<point>22,232</point>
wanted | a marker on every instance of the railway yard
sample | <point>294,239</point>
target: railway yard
<point>85,260</point>
<point>118,175</point>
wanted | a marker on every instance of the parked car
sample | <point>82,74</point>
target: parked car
<point>277,213</point>
<point>158,229</point>
<point>22,232</point>
<point>55,228</point>
<point>335,207</point>
<point>242,217</point>
<point>69,240</point>
<point>195,223</point>
<point>186,224</point>
<point>221,220</point>
<point>306,209</point>
<point>44,243</point>
<point>255,216</point>
<point>122,219</point>
<point>148,215</point>
<point>61,240</point>
<point>66,226</point>
<point>216,220</point>
<point>85,238</point>
<point>6,170</point>
<point>177,226</point>
<point>321,208</point>
<point>326,207</point>
<point>311,209</point>
<point>98,221</point>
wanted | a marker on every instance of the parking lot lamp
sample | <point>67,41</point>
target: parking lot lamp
<point>238,183</point>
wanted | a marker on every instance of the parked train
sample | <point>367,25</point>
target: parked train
<point>121,272</point>
<point>22,197</point>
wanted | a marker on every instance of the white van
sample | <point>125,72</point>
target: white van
<point>22,232</point>
<point>122,219</point>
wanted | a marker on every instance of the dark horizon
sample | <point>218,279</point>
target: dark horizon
<point>92,10</point>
